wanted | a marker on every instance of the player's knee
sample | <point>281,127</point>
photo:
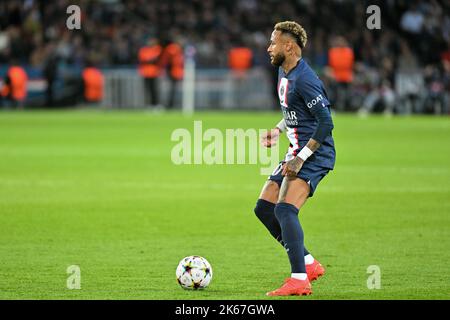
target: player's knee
<point>285,211</point>
<point>263,208</point>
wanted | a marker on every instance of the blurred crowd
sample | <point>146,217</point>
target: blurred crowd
<point>403,67</point>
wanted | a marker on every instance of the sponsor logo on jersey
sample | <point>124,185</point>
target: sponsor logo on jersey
<point>290,117</point>
<point>315,101</point>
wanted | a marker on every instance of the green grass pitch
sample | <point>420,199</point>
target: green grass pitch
<point>98,190</point>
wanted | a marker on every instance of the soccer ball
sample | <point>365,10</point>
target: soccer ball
<point>194,272</point>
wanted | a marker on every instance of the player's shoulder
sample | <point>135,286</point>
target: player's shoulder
<point>307,74</point>
<point>307,77</point>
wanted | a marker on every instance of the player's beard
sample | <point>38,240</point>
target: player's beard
<point>278,59</point>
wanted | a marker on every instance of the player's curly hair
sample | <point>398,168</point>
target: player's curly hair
<point>295,30</point>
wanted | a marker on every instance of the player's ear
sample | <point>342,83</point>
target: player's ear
<point>288,46</point>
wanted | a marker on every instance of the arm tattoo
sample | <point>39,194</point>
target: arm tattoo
<point>313,145</point>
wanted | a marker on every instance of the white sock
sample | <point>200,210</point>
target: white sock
<point>299,276</point>
<point>309,259</point>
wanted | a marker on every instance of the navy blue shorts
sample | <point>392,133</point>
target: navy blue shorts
<point>310,172</point>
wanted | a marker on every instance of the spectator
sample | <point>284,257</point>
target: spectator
<point>150,69</point>
<point>50,73</point>
<point>239,60</point>
<point>173,60</point>
<point>409,81</point>
<point>341,60</point>
<point>93,83</point>
<point>15,85</point>
<point>112,32</point>
<point>437,83</point>
<point>382,92</point>
<point>412,21</point>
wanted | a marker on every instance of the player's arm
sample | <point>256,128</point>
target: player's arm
<point>323,129</point>
<point>281,126</point>
<point>270,138</point>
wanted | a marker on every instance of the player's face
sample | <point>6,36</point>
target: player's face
<point>275,49</point>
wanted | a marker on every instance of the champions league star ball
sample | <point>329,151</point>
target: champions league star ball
<point>194,272</point>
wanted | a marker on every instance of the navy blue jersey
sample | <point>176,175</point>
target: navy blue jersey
<point>301,94</point>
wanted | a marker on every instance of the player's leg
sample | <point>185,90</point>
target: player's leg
<point>265,208</point>
<point>172,93</point>
<point>293,194</point>
<point>154,91</point>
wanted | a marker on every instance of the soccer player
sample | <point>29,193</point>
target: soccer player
<point>311,155</point>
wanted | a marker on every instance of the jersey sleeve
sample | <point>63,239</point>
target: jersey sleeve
<point>313,94</point>
<point>317,103</point>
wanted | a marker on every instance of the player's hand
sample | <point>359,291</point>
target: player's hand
<point>270,138</point>
<point>292,167</point>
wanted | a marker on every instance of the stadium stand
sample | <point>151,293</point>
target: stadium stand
<point>406,63</point>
